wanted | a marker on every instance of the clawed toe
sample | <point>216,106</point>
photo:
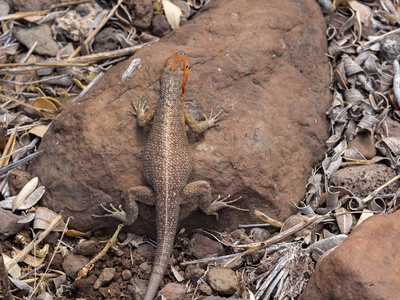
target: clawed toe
<point>219,203</point>
<point>114,212</point>
<point>139,109</point>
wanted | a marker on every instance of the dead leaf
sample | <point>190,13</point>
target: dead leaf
<point>25,192</point>
<point>344,220</point>
<point>172,13</point>
<point>363,10</point>
<point>15,271</point>
<point>45,103</point>
<point>44,217</point>
<point>39,130</point>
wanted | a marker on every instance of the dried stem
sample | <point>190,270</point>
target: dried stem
<point>279,237</point>
<point>82,273</point>
<point>86,60</point>
<point>21,15</point>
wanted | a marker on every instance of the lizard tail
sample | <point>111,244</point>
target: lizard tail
<point>167,224</point>
<point>152,288</point>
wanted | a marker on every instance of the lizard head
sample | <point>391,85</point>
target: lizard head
<point>178,66</point>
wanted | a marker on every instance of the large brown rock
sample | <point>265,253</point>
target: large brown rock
<point>262,62</point>
<point>365,266</point>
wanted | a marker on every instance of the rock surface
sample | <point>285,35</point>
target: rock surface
<point>173,291</point>
<point>264,64</point>
<point>41,34</point>
<point>366,266</point>
<point>223,281</point>
<point>362,180</point>
<point>73,264</point>
<point>76,22</point>
<point>203,246</point>
<point>105,278</point>
<point>31,5</point>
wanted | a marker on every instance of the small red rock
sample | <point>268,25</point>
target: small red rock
<point>366,265</point>
<point>73,264</point>
<point>203,246</point>
<point>173,291</point>
<point>87,248</point>
<point>160,25</point>
<point>223,281</point>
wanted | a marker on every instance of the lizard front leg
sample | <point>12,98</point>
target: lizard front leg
<point>142,112</point>
<point>202,190</point>
<point>144,194</point>
<point>200,127</point>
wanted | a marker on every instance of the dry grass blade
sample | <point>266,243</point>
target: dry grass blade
<point>21,15</point>
<point>5,158</point>
<point>78,61</point>
<point>281,236</point>
<point>19,162</point>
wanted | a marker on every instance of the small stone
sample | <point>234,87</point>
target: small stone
<point>259,234</point>
<point>142,13</point>
<point>34,5</point>
<point>113,289</point>
<point>144,268</point>
<point>73,264</point>
<point>87,248</point>
<point>106,40</point>
<point>365,144</point>
<point>126,274</point>
<point>223,281</point>
<point>144,252</point>
<point>362,180</point>
<point>205,289</point>
<point>42,34</point>
<point>203,246</point>
<point>390,48</point>
<point>76,22</point>
<point>173,291</point>
<point>45,296</point>
<point>105,278</point>
<point>160,25</point>
<point>238,233</point>
<point>7,221</point>
<point>196,274</point>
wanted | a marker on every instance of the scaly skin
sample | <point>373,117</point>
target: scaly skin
<point>167,166</point>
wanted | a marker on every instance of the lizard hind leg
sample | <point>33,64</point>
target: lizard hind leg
<point>202,190</point>
<point>144,194</point>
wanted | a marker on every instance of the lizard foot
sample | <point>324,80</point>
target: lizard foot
<point>212,121</point>
<point>114,212</point>
<point>139,110</point>
<point>219,203</point>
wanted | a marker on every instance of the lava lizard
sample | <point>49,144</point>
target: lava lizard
<point>167,166</point>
